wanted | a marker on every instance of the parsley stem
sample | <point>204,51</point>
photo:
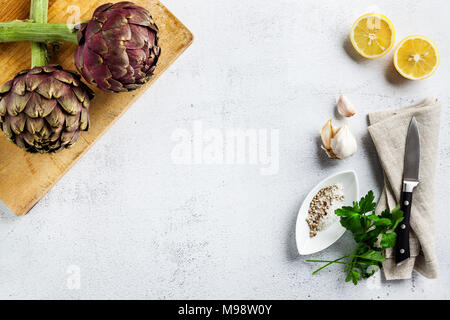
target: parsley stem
<point>326,261</point>
<point>329,263</point>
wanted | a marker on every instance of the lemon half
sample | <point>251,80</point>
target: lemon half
<point>416,57</point>
<point>372,35</point>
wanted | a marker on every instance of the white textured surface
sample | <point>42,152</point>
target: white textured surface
<point>138,226</point>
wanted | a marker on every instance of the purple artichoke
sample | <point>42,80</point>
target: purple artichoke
<point>118,48</point>
<point>44,109</point>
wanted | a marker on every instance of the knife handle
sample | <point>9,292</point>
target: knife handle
<point>402,245</point>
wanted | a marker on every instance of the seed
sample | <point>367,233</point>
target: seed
<point>319,207</point>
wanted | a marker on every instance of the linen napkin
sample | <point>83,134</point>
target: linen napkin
<point>388,130</point>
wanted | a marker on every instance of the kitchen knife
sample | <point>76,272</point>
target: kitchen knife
<point>410,182</point>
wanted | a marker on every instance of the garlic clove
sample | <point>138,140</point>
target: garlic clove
<point>329,153</point>
<point>327,133</point>
<point>345,107</point>
<point>343,144</point>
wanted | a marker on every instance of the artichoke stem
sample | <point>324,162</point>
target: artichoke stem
<point>38,13</point>
<point>25,31</point>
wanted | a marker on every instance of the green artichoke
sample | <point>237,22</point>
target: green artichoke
<point>44,109</point>
<point>118,48</point>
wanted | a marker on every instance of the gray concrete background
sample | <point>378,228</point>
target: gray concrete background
<point>129,223</point>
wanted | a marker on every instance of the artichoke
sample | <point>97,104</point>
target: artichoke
<point>44,109</point>
<point>118,48</point>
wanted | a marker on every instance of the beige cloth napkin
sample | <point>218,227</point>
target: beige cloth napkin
<point>388,130</point>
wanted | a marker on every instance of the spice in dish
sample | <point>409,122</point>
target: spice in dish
<point>321,209</point>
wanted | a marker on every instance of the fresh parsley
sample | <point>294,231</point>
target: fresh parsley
<point>371,232</point>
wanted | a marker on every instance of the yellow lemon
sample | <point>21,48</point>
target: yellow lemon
<point>416,57</point>
<point>372,35</point>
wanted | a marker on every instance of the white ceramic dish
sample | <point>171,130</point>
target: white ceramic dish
<point>332,233</point>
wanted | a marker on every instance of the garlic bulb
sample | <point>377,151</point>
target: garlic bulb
<point>343,143</point>
<point>345,107</point>
<point>338,144</point>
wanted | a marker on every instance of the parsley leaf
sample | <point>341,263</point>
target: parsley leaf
<point>367,228</point>
<point>373,256</point>
<point>367,204</point>
<point>388,240</point>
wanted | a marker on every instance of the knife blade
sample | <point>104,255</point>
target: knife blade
<point>410,182</point>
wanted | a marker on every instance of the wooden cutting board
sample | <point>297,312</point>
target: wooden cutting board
<point>25,178</point>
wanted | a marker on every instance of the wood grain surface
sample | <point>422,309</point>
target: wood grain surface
<point>25,178</point>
